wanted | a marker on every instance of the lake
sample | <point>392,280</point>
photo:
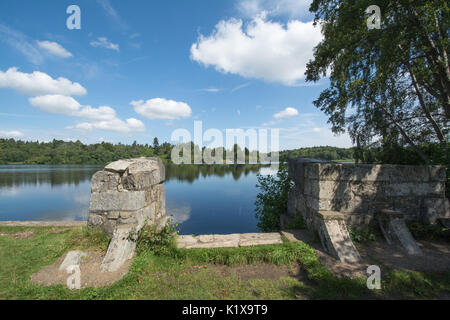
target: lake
<point>202,199</point>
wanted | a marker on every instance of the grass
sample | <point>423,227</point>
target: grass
<point>190,274</point>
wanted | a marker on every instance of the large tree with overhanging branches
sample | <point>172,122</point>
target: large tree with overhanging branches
<point>387,85</point>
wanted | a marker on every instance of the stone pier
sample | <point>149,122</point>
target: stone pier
<point>356,193</point>
<point>125,196</point>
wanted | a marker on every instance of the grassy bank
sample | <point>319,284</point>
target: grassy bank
<point>195,274</point>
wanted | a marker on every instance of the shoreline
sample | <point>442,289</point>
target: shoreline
<point>42,223</point>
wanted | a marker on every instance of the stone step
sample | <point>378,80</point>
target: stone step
<point>335,238</point>
<point>394,229</point>
<point>227,240</point>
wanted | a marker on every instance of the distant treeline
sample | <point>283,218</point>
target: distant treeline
<point>322,153</point>
<point>68,152</point>
<point>62,152</point>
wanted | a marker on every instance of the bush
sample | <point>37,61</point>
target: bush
<point>272,200</point>
<point>361,235</point>
<point>432,231</point>
<point>158,240</point>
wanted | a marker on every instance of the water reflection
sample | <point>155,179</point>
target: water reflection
<point>200,198</point>
<point>54,175</point>
<point>192,172</point>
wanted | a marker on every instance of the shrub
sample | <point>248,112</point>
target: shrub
<point>158,240</point>
<point>361,235</point>
<point>272,200</point>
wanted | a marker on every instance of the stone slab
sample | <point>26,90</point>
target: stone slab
<point>228,240</point>
<point>117,201</point>
<point>336,240</point>
<point>119,166</point>
<point>121,249</point>
<point>394,230</point>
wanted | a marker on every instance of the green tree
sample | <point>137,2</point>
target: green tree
<point>272,200</point>
<point>388,86</point>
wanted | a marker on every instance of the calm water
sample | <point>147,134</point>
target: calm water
<point>201,199</point>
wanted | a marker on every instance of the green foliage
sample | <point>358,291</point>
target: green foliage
<point>322,153</point>
<point>388,86</point>
<point>283,254</point>
<point>394,153</point>
<point>68,152</point>
<point>362,235</point>
<point>62,152</point>
<point>271,202</point>
<point>297,223</point>
<point>159,240</point>
<point>195,273</point>
<point>432,231</point>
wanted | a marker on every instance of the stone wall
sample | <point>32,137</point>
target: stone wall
<point>358,191</point>
<point>126,195</point>
<point>128,192</point>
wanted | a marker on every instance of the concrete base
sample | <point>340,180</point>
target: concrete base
<point>228,240</point>
<point>334,236</point>
<point>394,229</point>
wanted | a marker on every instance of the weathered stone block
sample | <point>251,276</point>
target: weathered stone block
<point>434,209</point>
<point>119,166</point>
<point>394,229</point>
<point>124,196</point>
<point>335,238</point>
<point>103,181</point>
<point>117,201</point>
<point>142,175</point>
<point>120,249</point>
<point>358,191</point>
<point>95,220</point>
<point>426,189</point>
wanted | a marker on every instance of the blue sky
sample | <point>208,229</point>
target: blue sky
<point>139,69</point>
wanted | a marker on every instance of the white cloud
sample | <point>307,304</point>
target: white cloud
<point>21,43</point>
<point>213,90</point>
<point>104,43</point>
<point>262,49</point>
<point>112,13</point>
<point>242,86</point>
<point>160,108</point>
<point>38,83</point>
<point>11,134</point>
<point>128,126</point>
<point>290,8</point>
<point>54,48</point>
<point>286,113</point>
<point>57,103</point>
<point>103,113</point>
<point>102,118</point>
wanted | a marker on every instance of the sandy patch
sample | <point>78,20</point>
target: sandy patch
<point>91,276</point>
